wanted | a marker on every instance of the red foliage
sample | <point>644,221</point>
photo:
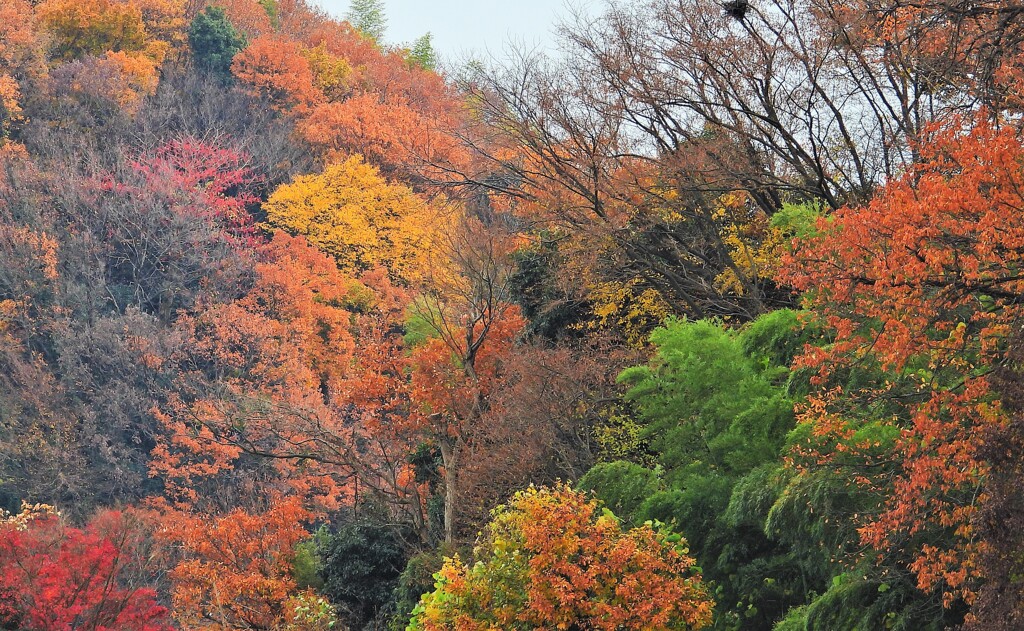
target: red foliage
<point>53,577</point>
<point>206,182</point>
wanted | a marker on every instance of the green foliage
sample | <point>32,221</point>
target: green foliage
<point>717,408</point>
<point>369,17</point>
<point>270,6</point>
<point>709,406</point>
<point>858,600</point>
<point>214,42</point>
<point>776,338</point>
<point>307,567</point>
<point>798,220</point>
<point>312,612</point>
<point>422,52</point>
<point>419,327</point>
<point>361,565</point>
<point>754,495</point>
<point>552,313</point>
<point>622,487</point>
<point>809,518</point>
<point>416,580</point>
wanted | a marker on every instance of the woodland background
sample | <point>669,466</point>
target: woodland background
<point>713,321</point>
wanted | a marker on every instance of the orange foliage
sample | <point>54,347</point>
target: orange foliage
<point>396,113</point>
<point>235,569</point>
<point>338,38</point>
<point>279,356</point>
<point>276,70</point>
<point>10,109</point>
<point>18,40</point>
<point>552,560</point>
<point>965,49</point>
<point>131,78</point>
<point>390,133</point>
<point>926,282</point>
<point>19,57</point>
<point>440,381</point>
<point>301,286</point>
<point>275,373</point>
<point>470,326</point>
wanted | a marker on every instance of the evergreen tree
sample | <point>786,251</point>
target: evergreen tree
<point>423,54</point>
<point>369,17</point>
<point>214,41</point>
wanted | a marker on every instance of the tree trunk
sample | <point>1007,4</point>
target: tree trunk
<point>448,459</point>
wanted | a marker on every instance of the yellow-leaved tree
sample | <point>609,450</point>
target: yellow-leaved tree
<point>354,214</point>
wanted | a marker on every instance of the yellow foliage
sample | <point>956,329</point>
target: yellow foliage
<point>29,513</point>
<point>755,247</point>
<point>352,213</point>
<point>165,21</point>
<point>629,305</point>
<point>330,74</point>
<point>91,27</point>
<point>82,28</point>
<point>620,437</point>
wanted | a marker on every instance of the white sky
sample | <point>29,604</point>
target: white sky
<point>463,27</point>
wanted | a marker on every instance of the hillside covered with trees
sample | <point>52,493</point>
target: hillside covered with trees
<point>713,321</point>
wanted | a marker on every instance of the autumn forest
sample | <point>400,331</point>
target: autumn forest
<point>713,318</point>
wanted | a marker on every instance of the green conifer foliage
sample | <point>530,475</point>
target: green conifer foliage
<point>214,42</point>
<point>368,16</point>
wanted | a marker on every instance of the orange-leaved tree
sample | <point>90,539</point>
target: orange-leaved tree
<point>262,375</point>
<point>276,70</point>
<point>469,325</point>
<point>234,570</point>
<point>553,559</point>
<point>920,288</point>
<point>390,132</point>
<point>20,58</point>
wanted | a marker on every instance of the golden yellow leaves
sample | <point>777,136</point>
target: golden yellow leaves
<point>352,213</point>
<point>630,305</point>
